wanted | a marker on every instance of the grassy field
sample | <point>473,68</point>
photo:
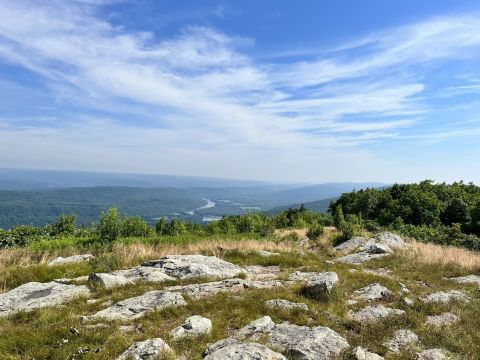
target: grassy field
<point>45,333</point>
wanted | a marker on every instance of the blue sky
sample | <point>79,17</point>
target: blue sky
<point>309,91</point>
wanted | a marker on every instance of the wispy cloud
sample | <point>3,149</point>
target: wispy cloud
<point>201,91</point>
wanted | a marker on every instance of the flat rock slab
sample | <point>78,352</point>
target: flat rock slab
<point>144,273</point>
<point>191,266</point>
<point>433,354</point>
<point>373,292</point>
<point>138,306</point>
<point>442,297</point>
<point>36,295</point>
<point>402,339</point>
<point>145,350</point>
<point>197,291</point>
<point>306,276</point>
<point>109,281</point>
<point>444,319</point>
<point>351,245</point>
<point>192,327</point>
<point>360,258</point>
<point>304,343</point>
<point>469,279</point>
<point>374,313</point>
<point>360,353</point>
<point>286,305</point>
<point>231,349</point>
<point>258,272</point>
<point>70,259</point>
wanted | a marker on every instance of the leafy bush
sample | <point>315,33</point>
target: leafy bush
<point>134,226</point>
<point>108,227</point>
<point>315,231</point>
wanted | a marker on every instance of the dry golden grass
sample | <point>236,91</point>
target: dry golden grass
<point>426,253</point>
<point>299,233</point>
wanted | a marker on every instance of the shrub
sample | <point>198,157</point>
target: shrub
<point>108,228</point>
<point>315,231</point>
<point>134,226</point>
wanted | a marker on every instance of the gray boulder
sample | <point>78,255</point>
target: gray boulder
<point>402,339</point>
<point>442,297</point>
<point>231,349</point>
<point>372,247</point>
<point>109,281</point>
<point>70,259</point>
<point>194,326</point>
<point>145,350</point>
<point>362,354</point>
<point>138,306</point>
<point>256,328</point>
<point>147,274</point>
<point>373,292</point>
<point>360,258</point>
<point>36,295</point>
<point>392,240</point>
<point>321,284</point>
<point>198,291</point>
<point>286,305</point>
<point>191,266</point>
<point>433,354</point>
<point>304,343</point>
<point>351,245</point>
<point>444,319</point>
<point>374,313</point>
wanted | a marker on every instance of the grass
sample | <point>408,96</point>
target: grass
<point>40,334</point>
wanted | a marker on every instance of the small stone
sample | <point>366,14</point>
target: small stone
<point>194,326</point>
<point>401,340</point>
<point>351,302</point>
<point>444,319</point>
<point>404,289</point>
<point>409,302</point>
<point>362,354</point>
<point>145,350</point>
<point>126,328</point>
<point>286,305</point>
<point>267,253</point>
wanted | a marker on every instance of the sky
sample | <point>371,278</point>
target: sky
<point>308,91</point>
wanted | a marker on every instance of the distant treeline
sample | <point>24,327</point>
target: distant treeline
<point>111,225</point>
<point>440,213</point>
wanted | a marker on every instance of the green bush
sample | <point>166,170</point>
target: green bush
<point>134,226</point>
<point>315,231</point>
<point>108,227</point>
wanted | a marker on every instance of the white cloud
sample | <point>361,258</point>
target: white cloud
<point>200,93</point>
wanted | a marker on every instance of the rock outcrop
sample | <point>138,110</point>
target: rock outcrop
<point>145,350</point>
<point>444,319</point>
<point>34,295</point>
<point>138,306</point>
<point>374,313</point>
<point>286,305</point>
<point>373,292</point>
<point>109,281</point>
<point>402,339</point>
<point>231,349</point>
<point>443,297</point>
<point>191,266</point>
<point>70,259</point>
<point>351,245</point>
<point>147,274</point>
<point>192,327</point>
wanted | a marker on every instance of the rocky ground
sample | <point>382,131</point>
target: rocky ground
<point>360,300</point>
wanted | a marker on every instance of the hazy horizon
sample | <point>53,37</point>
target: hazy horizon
<point>272,91</point>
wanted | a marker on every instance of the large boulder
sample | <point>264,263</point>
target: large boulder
<point>192,327</point>
<point>36,295</point>
<point>231,349</point>
<point>138,306</point>
<point>70,259</point>
<point>374,313</point>
<point>442,297</point>
<point>373,292</point>
<point>321,285</point>
<point>109,281</point>
<point>402,339</point>
<point>351,245</point>
<point>392,240</point>
<point>304,343</point>
<point>191,266</point>
<point>145,350</point>
<point>286,305</point>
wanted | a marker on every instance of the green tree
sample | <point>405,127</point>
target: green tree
<point>65,225</point>
<point>108,227</point>
<point>134,226</point>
